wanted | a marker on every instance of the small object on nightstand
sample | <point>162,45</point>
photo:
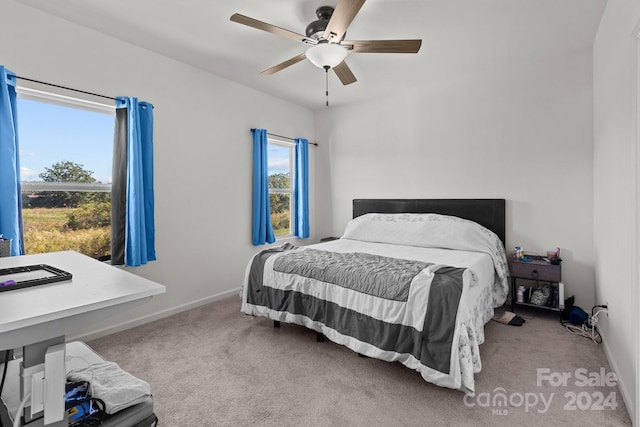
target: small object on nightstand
<point>519,254</point>
<point>554,257</point>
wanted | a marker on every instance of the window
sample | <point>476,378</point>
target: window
<point>280,168</point>
<point>66,150</point>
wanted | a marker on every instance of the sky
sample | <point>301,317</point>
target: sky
<point>51,133</point>
<point>278,159</point>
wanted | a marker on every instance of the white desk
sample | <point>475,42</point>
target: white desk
<point>40,316</point>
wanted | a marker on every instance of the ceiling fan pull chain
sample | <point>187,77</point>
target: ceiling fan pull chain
<point>326,83</point>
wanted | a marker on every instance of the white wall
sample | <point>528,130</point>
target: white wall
<point>202,153</point>
<point>522,133</point>
<point>615,190</point>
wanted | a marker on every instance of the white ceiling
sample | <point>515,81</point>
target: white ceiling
<point>485,35</point>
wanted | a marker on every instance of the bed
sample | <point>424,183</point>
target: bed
<point>411,280</point>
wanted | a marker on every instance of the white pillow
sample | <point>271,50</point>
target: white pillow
<point>424,230</point>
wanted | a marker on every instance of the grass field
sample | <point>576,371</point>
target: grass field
<point>46,230</point>
<point>280,223</point>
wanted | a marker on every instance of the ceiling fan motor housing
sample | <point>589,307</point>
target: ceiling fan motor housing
<point>316,29</point>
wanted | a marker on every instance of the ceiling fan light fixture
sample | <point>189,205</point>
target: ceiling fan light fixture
<point>326,54</point>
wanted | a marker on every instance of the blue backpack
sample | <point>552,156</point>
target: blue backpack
<point>578,316</point>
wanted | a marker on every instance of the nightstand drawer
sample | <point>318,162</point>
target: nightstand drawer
<point>536,271</point>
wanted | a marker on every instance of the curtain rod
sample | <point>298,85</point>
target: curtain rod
<point>66,88</point>
<point>291,139</point>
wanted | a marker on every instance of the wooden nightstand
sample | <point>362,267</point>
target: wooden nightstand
<point>536,271</point>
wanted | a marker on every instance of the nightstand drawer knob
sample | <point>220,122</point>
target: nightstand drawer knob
<point>535,274</point>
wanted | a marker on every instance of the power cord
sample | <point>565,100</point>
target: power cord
<point>7,355</point>
<point>588,328</point>
<point>18,417</point>
<point>584,331</point>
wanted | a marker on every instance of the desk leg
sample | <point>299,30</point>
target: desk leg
<point>513,294</point>
<point>33,355</point>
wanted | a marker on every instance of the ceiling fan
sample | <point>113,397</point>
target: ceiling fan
<point>328,49</point>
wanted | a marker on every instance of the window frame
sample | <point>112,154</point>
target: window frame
<point>69,102</point>
<point>27,93</point>
<point>292,152</point>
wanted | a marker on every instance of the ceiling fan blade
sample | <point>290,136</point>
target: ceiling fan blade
<point>384,46</point>
<point>341,18</point>
<point>344,73</point>
<point>245,20</point>
<point>284,64</point>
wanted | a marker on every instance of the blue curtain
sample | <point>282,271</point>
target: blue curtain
<point>139,231</point>
<point>301,190</point>
<point>262,230</point>
<point>10,196</point>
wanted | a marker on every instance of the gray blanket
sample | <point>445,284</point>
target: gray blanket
<point>431,345</point>
<point>375,275</point>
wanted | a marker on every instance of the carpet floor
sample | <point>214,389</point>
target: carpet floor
<point>213,366</point>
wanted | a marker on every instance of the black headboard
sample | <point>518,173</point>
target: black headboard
<point>490,213</point>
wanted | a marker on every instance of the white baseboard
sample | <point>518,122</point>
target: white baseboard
<point>622,385</point>
<point>88,336</point>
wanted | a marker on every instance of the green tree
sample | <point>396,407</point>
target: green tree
<point>279,202</point>
<point>64,171</point>
<point>279,180</point>
<point>67,171</point>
